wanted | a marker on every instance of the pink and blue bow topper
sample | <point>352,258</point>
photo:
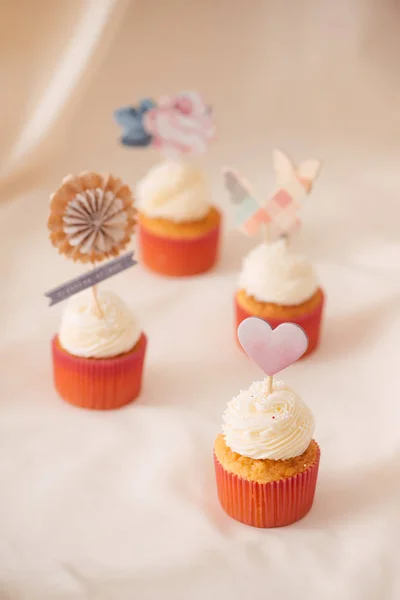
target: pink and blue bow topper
<point>175,125</point>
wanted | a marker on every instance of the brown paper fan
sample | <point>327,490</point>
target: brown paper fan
<point>91,217</point>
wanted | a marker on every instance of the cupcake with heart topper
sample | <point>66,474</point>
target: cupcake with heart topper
<point>179,228</point>
<point>276,284</point>
<point>99,351</point>
<point>266,460</point>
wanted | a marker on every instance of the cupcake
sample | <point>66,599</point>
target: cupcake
<point>266,460</point>
<point>98,357</point>
<point>275,284</point>
<point>278,286</point>
<point>179,229</point>
<point>99,352</point>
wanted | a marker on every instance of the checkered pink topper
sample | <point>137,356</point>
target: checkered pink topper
<point>280,213</point>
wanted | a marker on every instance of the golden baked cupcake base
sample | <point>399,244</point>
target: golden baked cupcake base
<point>180,249</point>
<point>263,471</point>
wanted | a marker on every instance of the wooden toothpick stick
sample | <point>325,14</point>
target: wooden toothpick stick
<point>99,311</point>
<point>270,383</point>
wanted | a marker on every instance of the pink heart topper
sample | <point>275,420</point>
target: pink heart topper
<point>272,349</point>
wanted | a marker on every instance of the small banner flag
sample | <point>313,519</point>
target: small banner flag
<point>74,286</point>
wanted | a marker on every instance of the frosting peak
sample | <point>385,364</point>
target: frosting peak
<point>84,333</point>
<point>275,426</point>
<point>271,273</point>
<point>174,190</point>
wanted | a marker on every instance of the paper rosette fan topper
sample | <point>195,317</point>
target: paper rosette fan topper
<point>175,125</point>
<point>91,217</point>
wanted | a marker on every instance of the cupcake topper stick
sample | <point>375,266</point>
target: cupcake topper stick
<point>99,310</point>
<point>270,384</point>
<point>91,218</point>
<point>272,349</point>
<point>280,213</point>
<point>177,125</point>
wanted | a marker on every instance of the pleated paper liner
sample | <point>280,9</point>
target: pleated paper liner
<point>310,322</point>
<point>179,257</point>
<point>266,505</point>
<point>99,384</point>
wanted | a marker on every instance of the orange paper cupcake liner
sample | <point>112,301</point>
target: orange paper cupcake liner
<point>273,504</point>
<point>98,384</point>
<point>310,322</point>
<point>179,257</point>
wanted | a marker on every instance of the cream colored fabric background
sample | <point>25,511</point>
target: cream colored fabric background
<point>122,505</point>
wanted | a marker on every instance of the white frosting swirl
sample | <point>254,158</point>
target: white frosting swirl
<point>271,273</point>
<point>84,333</point>
<point>277,426</point>
<point>174,190</point>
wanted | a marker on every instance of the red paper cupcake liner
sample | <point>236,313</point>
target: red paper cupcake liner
<point>274,504</point>
<point>179,257</point>
<point>310,322</point>
<point>98,384</point>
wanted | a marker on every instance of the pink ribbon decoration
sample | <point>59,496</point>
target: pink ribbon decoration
<point>180,124</point>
